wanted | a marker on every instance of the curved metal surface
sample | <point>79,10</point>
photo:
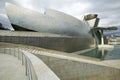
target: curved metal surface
<point>51,21</point>
<point>5,22</point>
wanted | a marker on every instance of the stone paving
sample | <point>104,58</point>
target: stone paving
<point>11,68</point>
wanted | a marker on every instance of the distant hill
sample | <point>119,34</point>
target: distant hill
<point>0,24</point>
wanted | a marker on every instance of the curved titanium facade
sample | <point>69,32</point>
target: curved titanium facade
<point>50,22</point>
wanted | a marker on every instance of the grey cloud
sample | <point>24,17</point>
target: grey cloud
<point>108,10</point>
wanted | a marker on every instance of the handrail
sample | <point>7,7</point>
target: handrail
<point>36,69</point>
<point>42,74</point>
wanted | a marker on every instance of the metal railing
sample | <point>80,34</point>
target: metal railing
<point>24,60</point>
<point>28,60</point>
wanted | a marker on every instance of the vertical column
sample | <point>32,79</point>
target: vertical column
<point>102,37</point>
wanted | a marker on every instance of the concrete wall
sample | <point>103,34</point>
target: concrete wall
<point>79,70</point>
<point>67,44</point>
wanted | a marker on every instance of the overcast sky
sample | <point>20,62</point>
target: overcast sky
<point>108,10</point>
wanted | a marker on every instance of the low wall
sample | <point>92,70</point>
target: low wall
<point>78,70</point>
<point>66,44</point>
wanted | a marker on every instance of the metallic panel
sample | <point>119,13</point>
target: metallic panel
<point>51,21</point>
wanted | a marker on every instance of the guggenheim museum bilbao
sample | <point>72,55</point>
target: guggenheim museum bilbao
<point>51,45</point>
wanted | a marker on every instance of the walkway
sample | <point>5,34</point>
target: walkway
<point>11,68</point>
